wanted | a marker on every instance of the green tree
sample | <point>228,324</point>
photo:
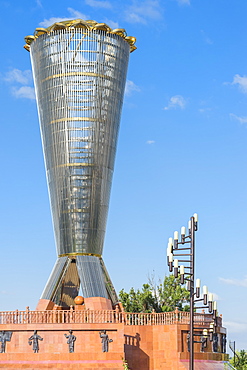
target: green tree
<point>172,294</point>
<point>163,297</point>
<point>137,301</point>
<point>240,360</point>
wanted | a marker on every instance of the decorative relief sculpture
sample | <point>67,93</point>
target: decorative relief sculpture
<point>5,336</point>
<point>188,341</point>
<point>71,341</point>
<point>223,343</point>
<point>203,343</point>
<point>35,340</point>
<point>105,341</point>
<point>215,342</point>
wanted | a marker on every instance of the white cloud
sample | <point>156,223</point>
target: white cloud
<point>235,327</point>
<point>204,110</point>
<point>38,2</point>
<point>5,292</point>
<point>241,82</point>
<point>134,18</point>
<point>176,101</point>
<point>236,282</point>
<point>16,75</point>
<point>206,38</point>
<point>99,4</point>
<point>24,92</point>
<point>112,24</point>
<point>130,87</point>
<point>183,2</point>
<point>150,142</point>
<point>242,120</point>
<point>141,11</point>
<point>48,22</point>
<point>75,14</point>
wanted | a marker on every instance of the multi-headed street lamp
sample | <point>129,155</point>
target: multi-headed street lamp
<point>185,251</point>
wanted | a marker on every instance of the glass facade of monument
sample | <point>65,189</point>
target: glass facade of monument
<point>79,78</point>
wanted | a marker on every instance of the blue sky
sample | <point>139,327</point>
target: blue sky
<point>181,149</point>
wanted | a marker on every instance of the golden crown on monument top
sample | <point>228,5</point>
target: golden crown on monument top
<point>80,23</point>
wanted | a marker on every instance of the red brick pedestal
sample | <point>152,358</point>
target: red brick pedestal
<point>147,341</point>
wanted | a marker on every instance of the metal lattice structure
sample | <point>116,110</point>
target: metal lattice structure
<point>79,73</point>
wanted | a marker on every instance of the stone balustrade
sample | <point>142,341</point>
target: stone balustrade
<point>102,316</point>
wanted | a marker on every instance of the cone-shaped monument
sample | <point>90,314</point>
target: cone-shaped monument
<point>79,72</point>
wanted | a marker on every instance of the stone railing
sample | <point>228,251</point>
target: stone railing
<point>101,316</point>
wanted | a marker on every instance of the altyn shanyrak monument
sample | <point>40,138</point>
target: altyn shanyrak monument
<point>79,72</point>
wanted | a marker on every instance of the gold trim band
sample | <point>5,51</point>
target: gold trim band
<point>74,119</point>
<point>75,164</point>
<point>77,210</point>
<point>92,74</point>
<point>79,254</point>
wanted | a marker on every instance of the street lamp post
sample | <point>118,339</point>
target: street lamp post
<point>236,358</point>
<point>185,251</point>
